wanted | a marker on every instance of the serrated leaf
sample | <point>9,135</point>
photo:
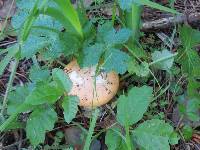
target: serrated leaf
<point>38,75</point>
<point>188,57</point>
<point>40,121</point>
<point>163,64</point>
<point>116,60</point>
<point>16,98</point>
<point>141,70</point>
<point>192,109</point>
<point>194,84</point>
<point>114,37</point>
<point>189,37</point>
<point>44,93</point>
<point>12,51</point>
<point>32,45</point>
<point>92,55</point>
<point>62,79</point>
<point>70,106</point>
<point>154,135</point>
<point>130,109</point>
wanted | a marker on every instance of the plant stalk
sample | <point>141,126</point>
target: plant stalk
<point>91,129</point>
<point>9,86</point>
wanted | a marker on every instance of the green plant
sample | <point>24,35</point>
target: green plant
<point>53,28</point>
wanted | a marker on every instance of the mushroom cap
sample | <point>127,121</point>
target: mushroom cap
<point>83,86</point>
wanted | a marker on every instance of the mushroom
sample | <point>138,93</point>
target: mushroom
<point>92,91</point>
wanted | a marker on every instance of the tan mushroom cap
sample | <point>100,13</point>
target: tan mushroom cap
<point>83,81</point>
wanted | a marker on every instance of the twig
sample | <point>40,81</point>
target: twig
<point>5,100</point>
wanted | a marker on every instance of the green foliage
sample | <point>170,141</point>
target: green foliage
<point>113,139</point>
<point>131,108</point>
<point>187,132</point>
<point>5,61</point>
<point>70,106</point>
<point>141,70</point>
<point>155,135</point>
<point>44,93</point>
<point>46,117</point>
<point>164,59</point>
<point>188,57</point>
<point>38,75</point>
<point>62,79</point>
<point>116,60</point>
<point>17,97</point>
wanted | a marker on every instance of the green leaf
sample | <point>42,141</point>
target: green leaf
<point>116,60</point>
<point>70,106</point>
<point>114,37</point>
<point>32,45</point>
<point>130,109</point>
<point>141,70</point>
<point>70,13</point>
<point>194,84</point>
<point>154,135</point>
<point>188,57</point>
<point>189,37</point>
<point>38,75</point>
<point>44,93</point>
<point>113,140</point>
<point>40,121</point>
<point>17,97</point>
<point>62,79</point>
<point>192,109</point>
<point>12,51</point>
<point>163,59</point>
<point>187,132</point>
<point>92,55</point>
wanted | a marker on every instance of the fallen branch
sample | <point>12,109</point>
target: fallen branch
<point>167,22</point>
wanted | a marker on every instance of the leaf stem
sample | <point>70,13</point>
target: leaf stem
<point>91,129</point>
<point>162,59</point>
<point>9,86</point>
<point>128,139</point>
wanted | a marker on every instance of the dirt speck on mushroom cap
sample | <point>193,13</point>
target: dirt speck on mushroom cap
<point>84,82</point>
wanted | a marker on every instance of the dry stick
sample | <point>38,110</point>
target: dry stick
<point>170,21</point>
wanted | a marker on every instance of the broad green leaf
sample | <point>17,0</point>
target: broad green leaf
<point>127,4</point>
<point>189,37</point>
<point>187,132</point>
<point>16,98</point>
<point>40,121</point>
<point>163,59</point>
<point>92,55</point>
<point>115,60</point>
<point>192,109</point>
<point>33,44</point>
<point>70,106</point>
<point>188,57</point>
<point>12,51</point>
<point>154,135</point>
<point>70,13</point>
<point>62,79</point>
<point>194,84</point>
<point>141,70</point>
<point>114,37</point>
<point>44,93</point>
<point>113,140</point>
<point>131,108</point>
<point>38,75</point>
